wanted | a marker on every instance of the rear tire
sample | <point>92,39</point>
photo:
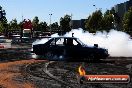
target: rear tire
<point>49,55</point>
<point>53,57</point>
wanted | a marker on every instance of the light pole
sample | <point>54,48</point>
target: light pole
<point>50,22</point>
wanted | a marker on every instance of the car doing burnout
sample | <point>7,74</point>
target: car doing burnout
<point>69,48</point>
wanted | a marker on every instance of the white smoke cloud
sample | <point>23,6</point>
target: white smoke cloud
<point>118,43</point>
<point>42,41</point>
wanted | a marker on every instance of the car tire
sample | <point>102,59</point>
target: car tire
<point>61,57</point>
<point>48,55</point>
<point>51,56</point>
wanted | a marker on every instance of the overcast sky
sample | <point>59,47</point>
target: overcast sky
<point>80,9</point>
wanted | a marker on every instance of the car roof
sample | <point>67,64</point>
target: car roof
<point>65,37</point>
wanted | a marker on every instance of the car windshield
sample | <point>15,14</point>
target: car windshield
<point>80,41</point>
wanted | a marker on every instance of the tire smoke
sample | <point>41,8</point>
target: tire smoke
<point>119,44</point>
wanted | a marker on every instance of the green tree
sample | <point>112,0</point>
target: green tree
<point>1,27</point>
<point>117,19</point>
<point>3,22</point>
<point>13,25</point>
<point>20,24</point>
<point>65,23</point>
<point>5,26</point>
<point>99,22</point>
<point>42,26</point>
<point>35,23</point>
<point>2,14</point>
<point>107,22</point>
<point>127,21</point>
<point>93,23</point>
<point>55,26</point>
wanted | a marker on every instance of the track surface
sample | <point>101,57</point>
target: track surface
<point>44,74</point>
<point>65,74</point>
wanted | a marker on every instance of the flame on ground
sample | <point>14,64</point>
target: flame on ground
<point>81,71</point>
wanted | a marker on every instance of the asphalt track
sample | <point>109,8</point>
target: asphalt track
<point>66,74</point>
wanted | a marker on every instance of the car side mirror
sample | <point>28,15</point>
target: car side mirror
<point>96,45</point>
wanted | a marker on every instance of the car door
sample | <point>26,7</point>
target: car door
<point>56,47</point>
<point>59,46</point>
<point>73,48</point>
<point>52,46</point>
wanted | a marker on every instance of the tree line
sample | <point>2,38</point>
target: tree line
<point>37,24</point>
<point>97,21</point>
<point>109,20</point>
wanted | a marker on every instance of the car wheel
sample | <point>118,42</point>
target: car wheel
<point>54,57</point>
<point>62,55</point>
<point>49,55</point>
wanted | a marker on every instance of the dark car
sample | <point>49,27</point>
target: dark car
<point>69,48</point>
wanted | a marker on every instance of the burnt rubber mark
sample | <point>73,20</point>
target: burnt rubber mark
<point>53,71</point>
<point>44,73</point>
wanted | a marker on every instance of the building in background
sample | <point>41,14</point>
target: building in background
<point>75,24</point>
<point>120,10</point>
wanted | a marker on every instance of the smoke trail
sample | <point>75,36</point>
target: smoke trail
<point>42,41</point>
<point>118,43</point>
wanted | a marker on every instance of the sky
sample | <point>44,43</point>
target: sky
<point>28,9</point>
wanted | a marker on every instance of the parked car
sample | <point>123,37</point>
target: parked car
<point>69,48</point>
